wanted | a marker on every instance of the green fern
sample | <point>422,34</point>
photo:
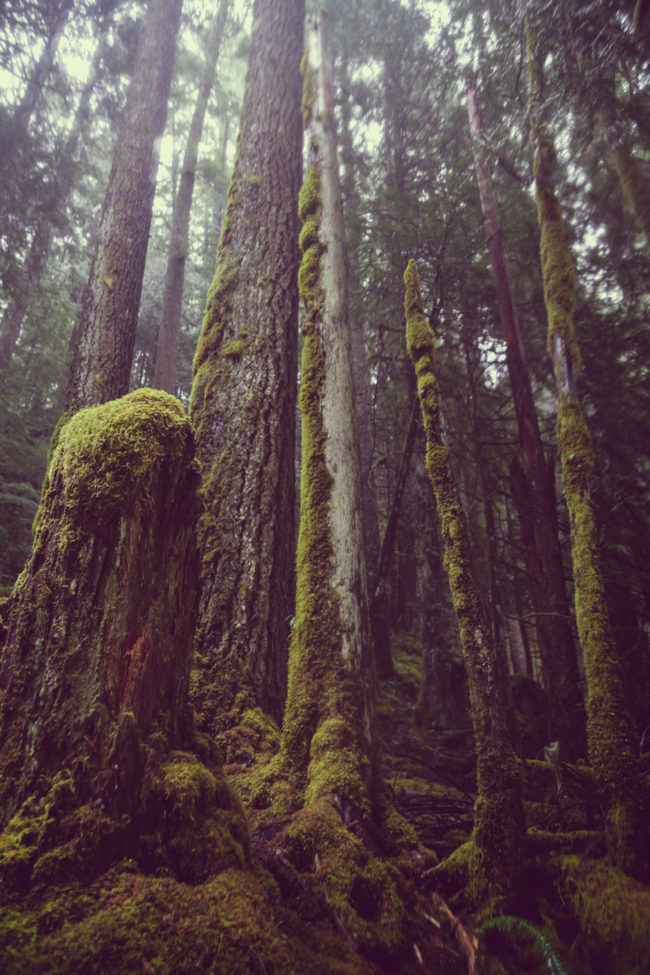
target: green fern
<point>519,929</point>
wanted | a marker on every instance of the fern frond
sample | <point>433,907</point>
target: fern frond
<point>519,929</point>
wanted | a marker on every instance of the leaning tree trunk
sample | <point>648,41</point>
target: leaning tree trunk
<point>244,391</point>
<point>98,752</point>
<point>611,734</point>
<point>537,505</point>
<point>496,861</point>
<point>170,316</point>
<point>105,337</point>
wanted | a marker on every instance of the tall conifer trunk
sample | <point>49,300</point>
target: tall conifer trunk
<point>611,733</point>
<point>170,316</point>
<point>244,391</point>
<point>105,338</point>
<point>537,504</point>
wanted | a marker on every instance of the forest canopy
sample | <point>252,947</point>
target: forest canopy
<point>324,590</point>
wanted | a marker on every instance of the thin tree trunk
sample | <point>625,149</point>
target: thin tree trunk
<point>611,733</point>
<point>331,685</point>
<point>380,601</point>
<point>170,317</point>
<point>105,338</point>
<point>30,273</point>
<point>243,400</point>
<point>25,108</point>
<point>496,859</point>
<point>545,564</point>
<point>96,737</point>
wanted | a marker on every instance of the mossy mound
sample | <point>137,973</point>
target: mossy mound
<point>128,923</point>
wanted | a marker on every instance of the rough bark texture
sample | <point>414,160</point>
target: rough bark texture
<point>327,731</point>
<point>611,734</point>
<point>170,316</point>
<point>98,752</point>
<point>536,504</point>
<point>106,334</point>
<point>496,866</point>
<point>244,391</point>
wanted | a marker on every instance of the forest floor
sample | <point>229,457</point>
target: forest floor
<point>280,916</point>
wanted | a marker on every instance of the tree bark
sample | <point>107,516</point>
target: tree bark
<point>538,507</point>
<point>105,337</point>
<point>330,701</point>
<point>97,744</point>
<point>170,316</point>
<point>611,733</point>
<point>244,391</point>
<point>496,863</point>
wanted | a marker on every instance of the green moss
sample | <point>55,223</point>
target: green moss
<point>613,911</point>
<point>309,89</point>
<point>234,349</point>
<point>19,844</point>
<point>610,730</point>
<point>496,862</point>
<point>109,456</point>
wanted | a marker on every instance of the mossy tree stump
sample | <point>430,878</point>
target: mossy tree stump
<point>97,744</point>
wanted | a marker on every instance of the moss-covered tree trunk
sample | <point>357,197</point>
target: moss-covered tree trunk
<point>326,735</point>
<point>537,503</point>
<point>98,755</point>
<point>170,315</point>
<point>611,734</point>
<point>105,337</point>
<point>496,858</point>
<point>244,391</point>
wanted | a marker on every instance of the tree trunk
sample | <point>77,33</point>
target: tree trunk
<point>545,564</point>
<point>170,316</point>
<point>330,702</point>
<point>105,337</point>
<point>25,108</point>
<point>442,695</point>
<point>611,734</point>
<point>496,862</point>
<point>380,602</point>
<point>30,273</point>
<point>94,676</point>
<point>244,391</point>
